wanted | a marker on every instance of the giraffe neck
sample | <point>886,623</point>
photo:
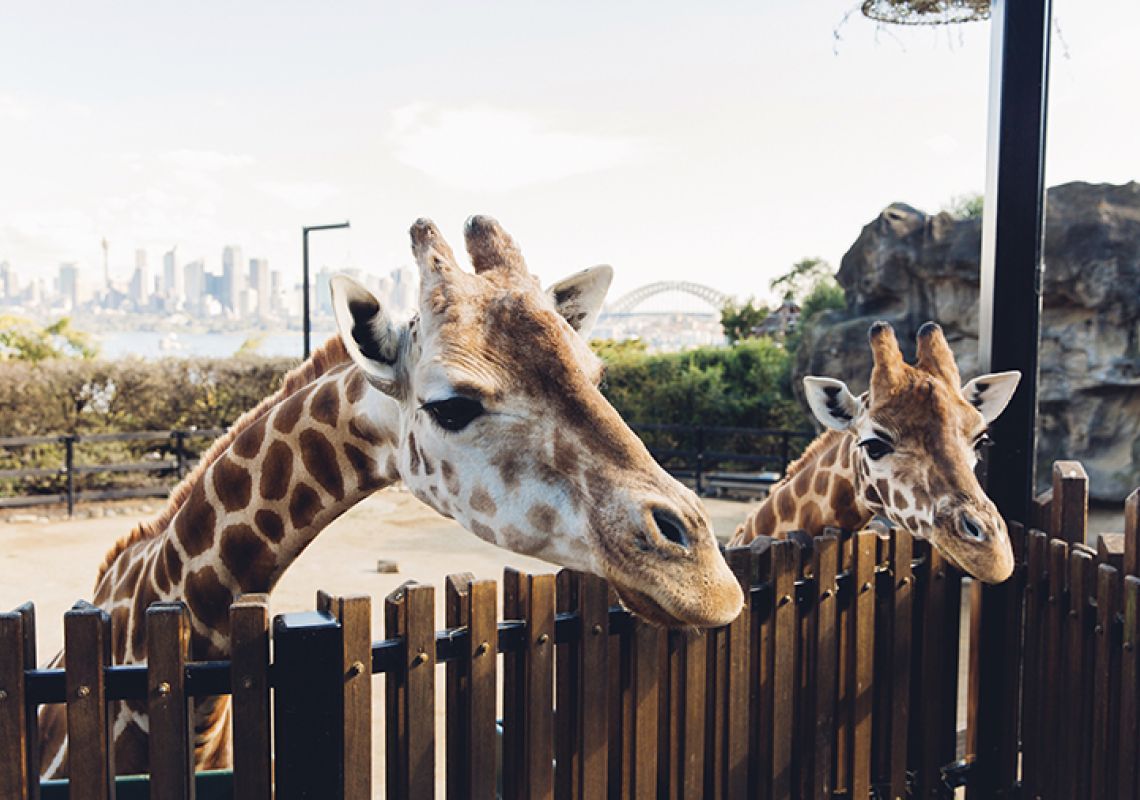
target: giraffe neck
<point>822,489</point>
<point>281,481</point>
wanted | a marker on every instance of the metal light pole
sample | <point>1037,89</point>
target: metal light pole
<point>306,323</point>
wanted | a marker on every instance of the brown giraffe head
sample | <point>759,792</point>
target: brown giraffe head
<point>919,434</point>
<point>503,428</point>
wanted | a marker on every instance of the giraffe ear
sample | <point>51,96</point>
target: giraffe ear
<point>831,402</point>
<point>369,336</point>
<point>991,393</point>
<point>579,298</point>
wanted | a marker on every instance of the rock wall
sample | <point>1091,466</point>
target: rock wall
<point>907,267</point>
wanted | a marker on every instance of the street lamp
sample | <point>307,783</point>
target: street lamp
<point>305,280</point>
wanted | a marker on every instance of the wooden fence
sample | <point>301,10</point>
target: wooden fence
<point>839,679</point>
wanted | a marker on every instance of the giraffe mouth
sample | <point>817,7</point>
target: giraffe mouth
<point>648,609</point>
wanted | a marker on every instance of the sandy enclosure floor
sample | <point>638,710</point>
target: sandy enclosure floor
<point>53,563</point>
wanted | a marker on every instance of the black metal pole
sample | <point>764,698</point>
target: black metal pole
<point>305,322</point>
<point>305,291</point>
<point>69,456</point>
<point>1009,320</point>
<point>1009,313</point>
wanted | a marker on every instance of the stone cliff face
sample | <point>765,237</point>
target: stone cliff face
<point>907,267</point>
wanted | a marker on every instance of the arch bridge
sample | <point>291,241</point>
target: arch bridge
<point>628,302</point>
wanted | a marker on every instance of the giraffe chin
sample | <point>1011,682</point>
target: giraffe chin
<point>653,612</point>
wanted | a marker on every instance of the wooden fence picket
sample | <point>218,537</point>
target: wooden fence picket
<point>249,678</point>
<point>14,742</point>
<point>827,652</point>
<point>354,614</point>
<point>409,613</point>
<point>171,726</point>
<point>87,637</point>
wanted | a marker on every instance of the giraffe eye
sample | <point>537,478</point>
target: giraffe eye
<point>876,448</point>
<point>455,413</point>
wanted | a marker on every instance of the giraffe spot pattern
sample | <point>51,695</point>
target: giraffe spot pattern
<point>144,596</point>
<point>319,458</point>
<point>270,524</point>
<point>843,500</point>
<point>195,522</point>
<point>276,470</point>
<point>510,467</point>
<point>125,587</point>
<point>565,456</point>
<point>429,467</point>
<point>354,387</point>
<point>232,484</point>
<point>413,453</point>
<point>392,467</point>
<point>248,442</point>
<point>364,428</point>
<point>801,484</point>
<point>785,504</point>
<point>765,521</point>
<point>516,541</point>
<point>173,562</point>
<point>822,478</point>
<point>247,557</point>
<point>810,517</point>
<point>450,479</point>
<point>304,505</point>
<point>543,517</point>
<point>484,532</point>
<point>367,471</point>
<point>326,404</point>
<point>289,412</point>
<point>900,501</point>
<point>208,599</point>
<point>120,632</point>
<point>482,502</point>
<point>158,567</point>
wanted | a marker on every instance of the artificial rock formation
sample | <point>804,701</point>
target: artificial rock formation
<point>908,267</point>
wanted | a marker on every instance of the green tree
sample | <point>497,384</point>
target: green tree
<point>824,296</point>
<point>738,321</point>
<point>22,339</point>
<point>965,206</point>
<point>803,276</point>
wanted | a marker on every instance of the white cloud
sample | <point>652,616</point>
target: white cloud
<point>301,195</point>
<point>489,149</point>
<point>205,160</point>
<point>943,144</point>
<point>13,110</point>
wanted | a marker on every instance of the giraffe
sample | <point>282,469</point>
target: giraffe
<point>905,450</point>
<point>485,404</point>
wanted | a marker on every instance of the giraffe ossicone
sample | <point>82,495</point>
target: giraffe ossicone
<point>905,450</point>
<point>486,404</point>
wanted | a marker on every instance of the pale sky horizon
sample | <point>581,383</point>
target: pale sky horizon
<point>716,143</point>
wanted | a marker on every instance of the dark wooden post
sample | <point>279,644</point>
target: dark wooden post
<point>1070,505</point>
<point>307,706</point>
<point>14,744</point>
<point>69,469</point>
<point>171,739</point>
<point>249,677</point>
<point>1132,534</point>
<point>91,765</point>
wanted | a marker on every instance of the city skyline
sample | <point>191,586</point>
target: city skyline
<point>669,140</point>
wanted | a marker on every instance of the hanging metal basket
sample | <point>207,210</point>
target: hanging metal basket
<point>926,12</point>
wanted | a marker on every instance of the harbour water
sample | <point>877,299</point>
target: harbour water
<point>162,344</point>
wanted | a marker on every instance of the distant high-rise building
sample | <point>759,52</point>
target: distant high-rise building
<point>276,301</point>
<point>259,281</point>
<point>172,285</point>
<point>194,283</point>
<point>69,284</point>
<point>405,284</point>
<point>140,281</point>
<point>7,287</point>
<point>231,277</point>
<point>324,291</point>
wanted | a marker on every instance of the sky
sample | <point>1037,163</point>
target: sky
<point>716,142</point>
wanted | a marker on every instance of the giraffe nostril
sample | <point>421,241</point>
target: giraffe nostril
<point>671,528</point>
<point>971,528</point>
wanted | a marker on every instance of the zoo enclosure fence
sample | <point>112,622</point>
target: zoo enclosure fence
<point>712,458</point>
<point>839,679</point>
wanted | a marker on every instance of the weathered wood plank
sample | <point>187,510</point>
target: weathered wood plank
<point>1129,735</point>
<point>1070,505</point>
<point>457,745</point>
<point>568,696</point>
<point>761,707</point>
<point>1053,740</point>
<point>1106,686</point>
<point>14,743</point>
<point>355,616</point>
<point>644,670</point>
<point>1132,534</point>
<point>827,660</point>
<point>171,736</point>
<point>409,613</point>
<point>594,604</point>
<point>902,647</point>
<point>87,640</point>
<point>516,588</point>
<point>784,571</point>
<point>863,653</point>
<point>737,674</point>
<point>249,678</point>
<point>1079,650</point>
<point>1036,607</point>
<point>538,681</point>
